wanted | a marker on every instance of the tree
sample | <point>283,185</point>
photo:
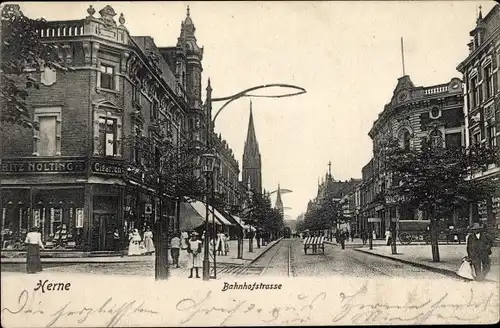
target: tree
<point>436,179</point>
<point>169,169</point>
<point>23,55</point>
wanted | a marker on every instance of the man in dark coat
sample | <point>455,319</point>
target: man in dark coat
<point>479,250</point>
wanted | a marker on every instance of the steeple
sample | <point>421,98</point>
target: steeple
<point>251,157</point>
<point>279,202</point>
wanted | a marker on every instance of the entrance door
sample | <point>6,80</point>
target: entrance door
<point>103,226</point>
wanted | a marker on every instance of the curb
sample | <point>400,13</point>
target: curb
<point>265,251</point>
<point>445,272</point>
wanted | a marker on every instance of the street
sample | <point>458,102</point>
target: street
<point>286,258</point>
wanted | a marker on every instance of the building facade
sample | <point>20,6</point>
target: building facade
<point>482,105</point>
<point>413,114</point>
<point>251,164</point>
<point>74,176</point>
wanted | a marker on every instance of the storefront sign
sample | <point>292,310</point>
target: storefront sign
<point>39,166</point>
<point>107,168</point>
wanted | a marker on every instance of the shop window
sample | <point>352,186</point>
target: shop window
<point>47,137</point>
<point>107,76</point>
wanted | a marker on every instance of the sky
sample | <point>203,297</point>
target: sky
<point>347,55</point>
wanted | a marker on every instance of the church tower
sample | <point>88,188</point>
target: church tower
<point>190,75</point>
<point>279,202</point>
<point>251,170</point>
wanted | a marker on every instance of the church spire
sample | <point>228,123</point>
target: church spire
<point>251,167</point>
<point>279,202</point>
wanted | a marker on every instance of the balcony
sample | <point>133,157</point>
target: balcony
<point>436,90</point>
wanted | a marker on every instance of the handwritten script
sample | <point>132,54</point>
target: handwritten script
<point>212,307</point>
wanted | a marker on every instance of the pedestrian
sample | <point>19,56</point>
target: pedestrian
<point>184,239</point>
<point>479,250</point>
<point>175,245</point>
<point>220,243</point>
<point>194,254</point>
<point>226,243</point>
<point>388,237</point>
<point>352,235</point>
<point>148,241</point>
<point>116,240</point>
<point>342,237</point>
<point>34,243</point>
<point>257,237</point>
<point>374,235</point>
<point>364,236</point>
<point>134,243</point>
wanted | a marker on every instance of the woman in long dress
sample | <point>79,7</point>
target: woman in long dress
<point>194,254</point>
<point>34,241</point>
<point>134,245</point>
<point>148,241</point>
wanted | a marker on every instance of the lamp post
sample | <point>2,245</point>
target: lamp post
<point>208,163</point>
<point>209,159</point>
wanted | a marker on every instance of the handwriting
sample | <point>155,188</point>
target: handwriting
<point>359,312</point>
<point>116,311</point>
<point>46,285</point>
<point>24,307</point>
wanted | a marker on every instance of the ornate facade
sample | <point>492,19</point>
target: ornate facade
<point>482,103</point>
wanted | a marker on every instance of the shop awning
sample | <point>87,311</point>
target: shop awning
<point>200,208</point>
<point>242,223</point>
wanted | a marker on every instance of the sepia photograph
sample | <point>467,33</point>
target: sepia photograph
<point>263,163</point>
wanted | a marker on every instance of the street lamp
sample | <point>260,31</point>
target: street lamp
<point>207,167</point>
<point>209,131</point>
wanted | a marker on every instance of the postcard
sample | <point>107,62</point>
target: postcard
<point>251,163</point>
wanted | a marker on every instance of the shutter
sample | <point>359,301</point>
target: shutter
<point>495,82</point>
<point>96,133</point>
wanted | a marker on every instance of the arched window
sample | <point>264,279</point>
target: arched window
<point>405,139</point>
<point>436,138</point>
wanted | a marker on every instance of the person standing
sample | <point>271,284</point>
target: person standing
<point>258,237</point>
<point>116,240</point>
<point>364,236</point>
<point>479,250</point>
<point>352,235</point>
<point>175,245</point>
<point>388,237</point>
<point>184,239</point>
<point>194,254</point>
<point>34,243</point>
<point>134,243</point>
<point>342,237</point>
<point>148,241</point>
<point>226,244</point>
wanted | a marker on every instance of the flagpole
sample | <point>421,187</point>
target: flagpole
<point>403,56</point>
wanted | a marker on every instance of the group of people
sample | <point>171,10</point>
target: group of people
<point>192,243</point>
<point>138,245</point>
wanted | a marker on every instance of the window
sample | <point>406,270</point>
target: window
<point>107,77</point>
<point>406,140</point>
<point>436,138</point>
<point>453,140</point>
<point>488,79</point>
<point>136,94</point>
<point>108,136</point>
<point>492,142</point>
<point>47,139</point>
<point>137,149</point>
<point>154,110</point>
<point>476,138</point>
<point>435,112</point>
<point>474,93</point>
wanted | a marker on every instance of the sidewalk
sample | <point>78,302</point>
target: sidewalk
<point>421,256</point>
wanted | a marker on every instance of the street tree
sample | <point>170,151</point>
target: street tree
<point>168,168</point>
<point>23,57</point>
<point>436,179</point>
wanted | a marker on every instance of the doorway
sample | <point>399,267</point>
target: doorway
<point>103,225</point>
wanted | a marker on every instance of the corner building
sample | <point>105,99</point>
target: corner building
<point>69,176</point>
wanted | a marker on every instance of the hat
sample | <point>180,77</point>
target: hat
<point>476,227</point>
<point>194,233</point>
